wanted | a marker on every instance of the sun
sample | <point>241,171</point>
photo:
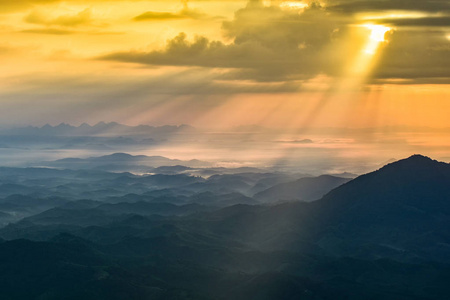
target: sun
<point>377,32</point>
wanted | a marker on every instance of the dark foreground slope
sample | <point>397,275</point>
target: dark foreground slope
<point>384,235</point>
<point>403,209</point>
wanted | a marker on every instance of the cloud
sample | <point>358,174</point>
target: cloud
<point>416,54</point>
<point>155,15</point>
<point>71,20</point>
<point>354,6</point>
<point>66,24</point>
<point>304,141</point>
<point>52,31</point>
<point>417,22</point>
<point>269,44</point>
<point>185,13</point>
<point>8,5</point>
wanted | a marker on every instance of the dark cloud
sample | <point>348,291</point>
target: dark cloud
<point>354,6</point>
<point>418,22</point>
<point>268,44</point>
<point>417,80</point>
<point>416,54</point>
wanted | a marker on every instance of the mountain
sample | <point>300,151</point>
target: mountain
<point>121,162</point>
<point>305,189</point>
<point>402,208</point>
<point>99,138</point>
<point>99,129</point>
<point>105,213</point>
<point>417,180</point>
<point>383,235</point>
<point>401,211</point>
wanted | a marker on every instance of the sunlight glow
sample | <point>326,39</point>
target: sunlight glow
<point>293,5</point>
<point>394,15</point>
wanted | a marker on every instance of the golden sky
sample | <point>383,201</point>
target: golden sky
<point>219,64</point>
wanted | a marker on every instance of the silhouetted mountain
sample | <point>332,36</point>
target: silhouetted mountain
<point>404,207</point>
<point>417,180</point>
<point>121,162</point>
<point>305,189</point>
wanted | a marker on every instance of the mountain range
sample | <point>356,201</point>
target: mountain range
<point>101,128</point>
<point>123,162</point>
<point>382,235</point>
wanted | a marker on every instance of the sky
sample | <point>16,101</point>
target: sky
<point>293,65</point>
<point>218,64</point>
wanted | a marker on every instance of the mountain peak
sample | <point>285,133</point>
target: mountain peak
<point>84,125</point>
<point>414,159</point>
<point>118,155</point>
<point>415,162</point>
<point>419,157</point>
<point>100,124</point>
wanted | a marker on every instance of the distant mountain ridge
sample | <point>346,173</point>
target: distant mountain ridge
<point>122,161</point>
<point>101,129</point>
